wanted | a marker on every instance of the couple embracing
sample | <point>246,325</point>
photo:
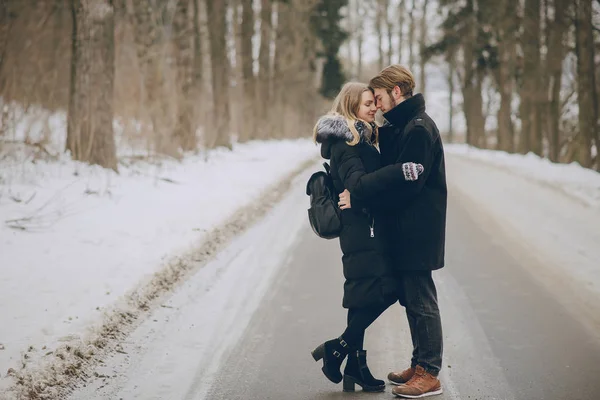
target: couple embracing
<point>392,195</point>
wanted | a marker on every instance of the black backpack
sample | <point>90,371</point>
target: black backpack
<point>323,214</point>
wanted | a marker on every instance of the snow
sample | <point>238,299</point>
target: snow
<point>551,210</point>
<point>207,315</point>
<point>571,179</point>
<point>75,238</point>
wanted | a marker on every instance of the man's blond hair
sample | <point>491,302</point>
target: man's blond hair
<point>394,75</point>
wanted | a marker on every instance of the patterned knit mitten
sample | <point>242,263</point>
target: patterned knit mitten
<point>412,171</point>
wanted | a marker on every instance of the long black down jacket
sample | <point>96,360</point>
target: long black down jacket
<point>367,269</point>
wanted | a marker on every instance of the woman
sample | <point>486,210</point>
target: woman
<point>348,138</point>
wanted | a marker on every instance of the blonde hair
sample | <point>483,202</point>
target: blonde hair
<point>394,75</point>
<point>347,104</point>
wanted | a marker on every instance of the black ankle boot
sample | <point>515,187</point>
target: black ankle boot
<point>357,372</point>
<point>333,353</point>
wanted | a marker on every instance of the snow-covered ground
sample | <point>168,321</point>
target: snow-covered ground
<point>196,330</point>
<point>552,210</point>
<point>571,179</point>
<point>74,238</point>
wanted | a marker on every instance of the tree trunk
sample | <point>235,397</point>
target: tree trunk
<point>401,10</point>
<point>5,25</point>
<point>411,35</point>
<point>472,85</point>
<point>90,134</point>
<point>149,45</point>
<point>185,132</point>
<point>198,60</point>
<point>379,18</point>
<point>351,27</point>
<point>422,46</point>
<point>236,93</point>
<point>295,74</point>
<point>359,37</point>
<point>556,53</point>
<point>219,131</point>
<point>249,100</point>
<point>451,70</point>
<point>586,83</point>
<point>531,98</point>
<point>390,23</point>
<point>264,92</point>
<point>505,74</point>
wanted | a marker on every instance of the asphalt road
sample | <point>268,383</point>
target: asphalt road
<point>506,336</point>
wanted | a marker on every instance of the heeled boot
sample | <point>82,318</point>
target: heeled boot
<point>357,372</point>
<point>333,353</point>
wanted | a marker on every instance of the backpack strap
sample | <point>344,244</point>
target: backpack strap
<point>327,168</point>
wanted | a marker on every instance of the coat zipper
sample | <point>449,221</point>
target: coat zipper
<point>372,227</point>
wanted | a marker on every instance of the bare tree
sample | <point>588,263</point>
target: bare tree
<point>360,15</point>
<point>400,11</point>
<point>422,46</point>
<point>198,56</point>
<point>472,81</point>
<point>264,91</point>
<point>5,25</point>
<point>556,53</point>
<point>505,26</point>
<point>90,134</point>
<point>451,59</point>
<point>219,131</point>
<point>531,98</point>
<point>379,20</point>
<point>295,83</point>
<point>149,38</point>
<point>185,131</point>
<point>389,22</point>
<point>586,85</point>
<point>249,100</point>
<point>411,35</point>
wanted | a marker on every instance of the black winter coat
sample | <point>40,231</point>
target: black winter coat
<point>416,223</point>
<point>366,263</point>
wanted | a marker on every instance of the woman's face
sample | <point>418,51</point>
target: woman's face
<point>367,108</point>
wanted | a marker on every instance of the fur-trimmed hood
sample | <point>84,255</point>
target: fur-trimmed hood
<point>332,128</point>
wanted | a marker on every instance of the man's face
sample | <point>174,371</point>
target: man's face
<point>383,100</point>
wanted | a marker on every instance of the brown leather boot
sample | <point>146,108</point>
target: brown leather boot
<point>422,384</point>
<point>398,378</point>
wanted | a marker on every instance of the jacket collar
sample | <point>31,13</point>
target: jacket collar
<point>404,112</point>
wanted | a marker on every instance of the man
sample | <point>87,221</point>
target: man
<point>417,223</point>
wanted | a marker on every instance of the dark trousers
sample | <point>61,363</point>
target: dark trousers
<point>359,320</point>
<point>419,297</point>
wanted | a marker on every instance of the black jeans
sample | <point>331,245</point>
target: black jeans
<point>419,297</point>
<point>359,320</point>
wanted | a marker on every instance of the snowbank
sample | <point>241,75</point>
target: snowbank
<point>572,179</point>
<point>75,238</point>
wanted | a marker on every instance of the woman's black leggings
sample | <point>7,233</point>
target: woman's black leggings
<point>359,320</point>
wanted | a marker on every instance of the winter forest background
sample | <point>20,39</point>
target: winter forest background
<point>158,78</point>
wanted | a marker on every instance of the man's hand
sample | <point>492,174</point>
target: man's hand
<point>344,202</point>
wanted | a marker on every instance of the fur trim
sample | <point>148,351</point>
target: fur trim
<point>333,127</point>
